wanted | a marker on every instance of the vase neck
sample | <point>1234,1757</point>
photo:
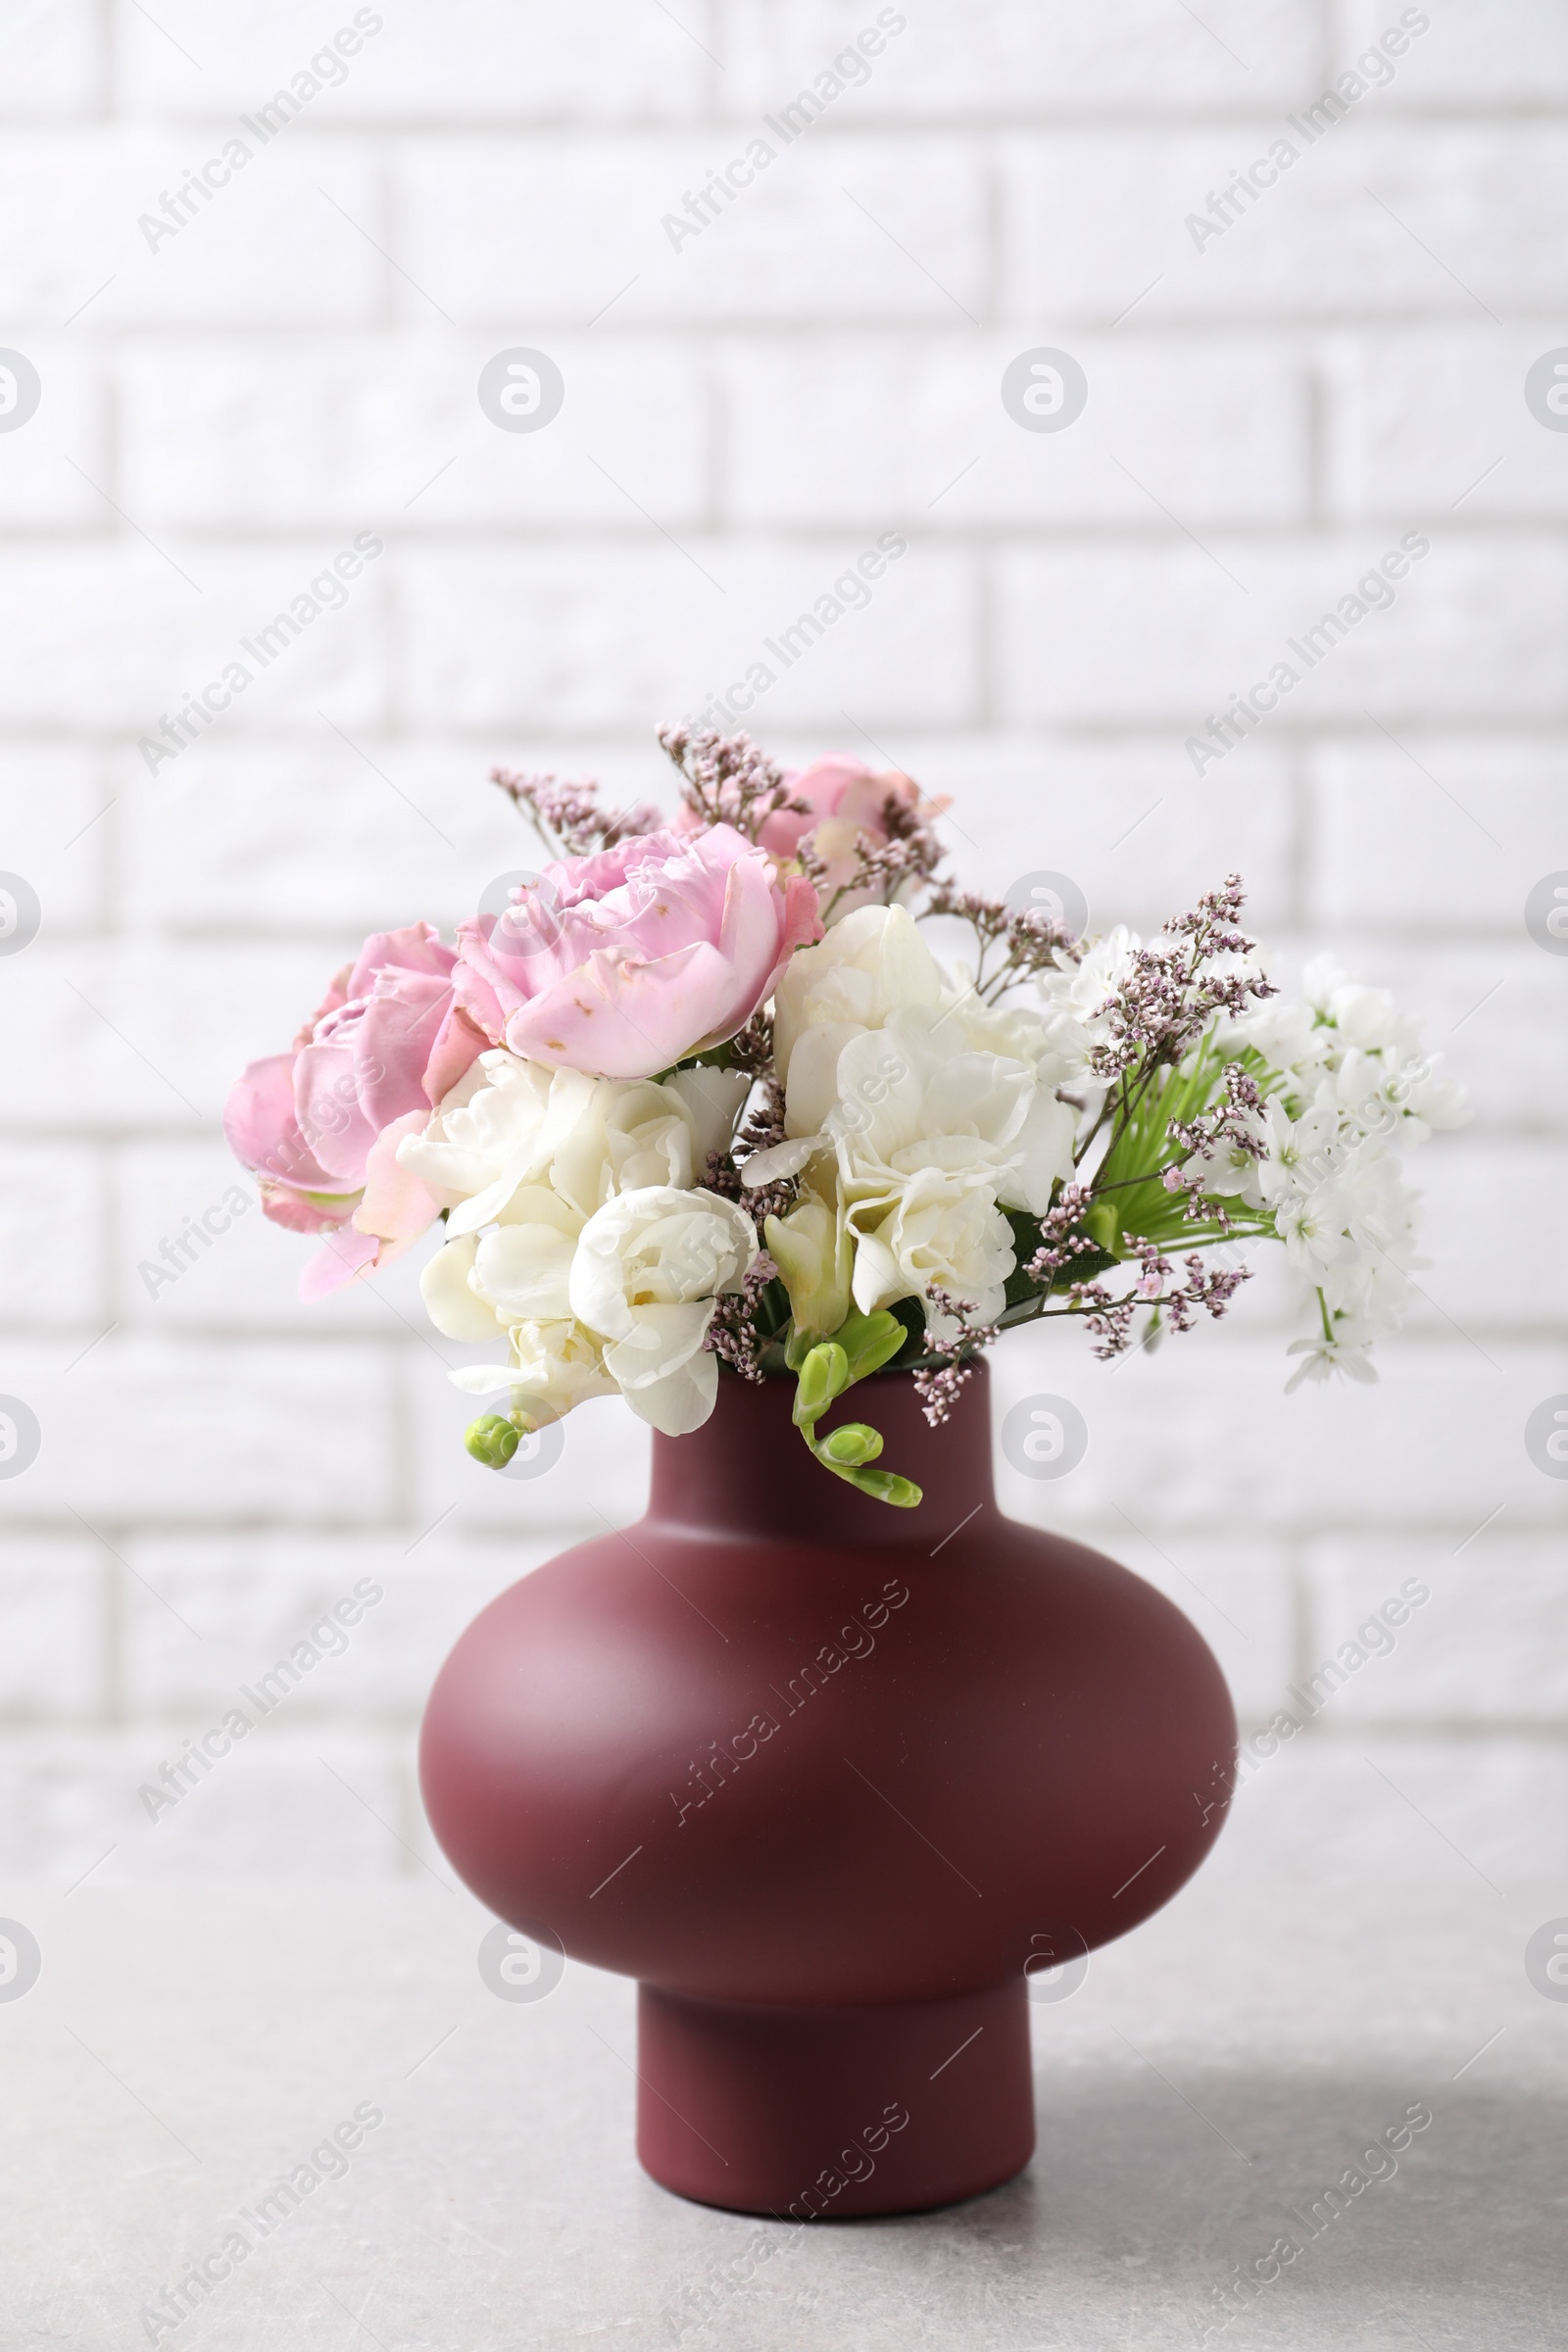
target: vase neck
<point>747,1471</point>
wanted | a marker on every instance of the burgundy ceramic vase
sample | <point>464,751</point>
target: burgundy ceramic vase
<point>828,1778</point>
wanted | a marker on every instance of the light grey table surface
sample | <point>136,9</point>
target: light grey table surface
<point>184,2046</point>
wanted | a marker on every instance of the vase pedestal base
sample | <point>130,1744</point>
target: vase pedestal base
<point>826,2113</point>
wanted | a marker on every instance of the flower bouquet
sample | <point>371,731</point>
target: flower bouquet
<point>701,1100</point>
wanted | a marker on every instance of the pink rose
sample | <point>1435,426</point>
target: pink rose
<point>387,1042</point>
<point>847,800</point>
<point>621,963</point>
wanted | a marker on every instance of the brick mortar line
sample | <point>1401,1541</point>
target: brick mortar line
<point>1148,739</point>
<point>1048,537</point>
<point>617,736</point>
<point>132,1527</point>
<point>382,1722</point>
<point>1548,1730</point>
<point>1239,325</point>
<point>1178,118</point>
<point>1147,735</point>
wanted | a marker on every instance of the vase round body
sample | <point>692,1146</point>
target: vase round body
<point>831,1780</point>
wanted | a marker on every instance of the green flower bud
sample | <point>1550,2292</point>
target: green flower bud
<point>887,1486</point>
<point>824,1374</point>
<point>492,1441</point>
<point>853,1445</point>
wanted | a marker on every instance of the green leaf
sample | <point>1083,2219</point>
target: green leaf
<point>1103,1224</point>
<point>912,1314</point>
<point>1026,1240</point>
<point>870,1340</point>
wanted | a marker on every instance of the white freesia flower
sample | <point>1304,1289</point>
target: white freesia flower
<point>451,1301</point>
<point>514,1123</point>
<point>1052,1041</point>
<point>876,963</point>
<point>868,966</point>
<point>481,1285</point>
<point>873,965</point>
<point>931,1145</point>
<point>553,1367</point>
<point>905,1102</point>
<point>500,1127</point>
<point>646,1275</point>
<point>811,1248</point>
<point>931,1227</point>
<point>527,1156</point>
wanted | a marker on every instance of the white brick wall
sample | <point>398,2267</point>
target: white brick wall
<point>225,409</point>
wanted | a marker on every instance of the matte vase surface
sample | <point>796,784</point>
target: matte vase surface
<point>826,1777</point>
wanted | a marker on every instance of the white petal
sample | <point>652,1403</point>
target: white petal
<point>814,1074</point>
<point>449,1301</point>
<point>683,1401</point>
<point>781,1159</point>
<point>878,1280</point>
<point>714,1099</point>
<point>525,1270</point>
<point>1047,1143</point>
<point>662,1338</point>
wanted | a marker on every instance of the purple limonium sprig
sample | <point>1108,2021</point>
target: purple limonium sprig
<point>728,779</point>
<point>1170,993</point>
<point>939,1380</point>
<point>1110,1318</point>
<point>568,817</point>
<point>1029,942</point>
<point>734,1335</point>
